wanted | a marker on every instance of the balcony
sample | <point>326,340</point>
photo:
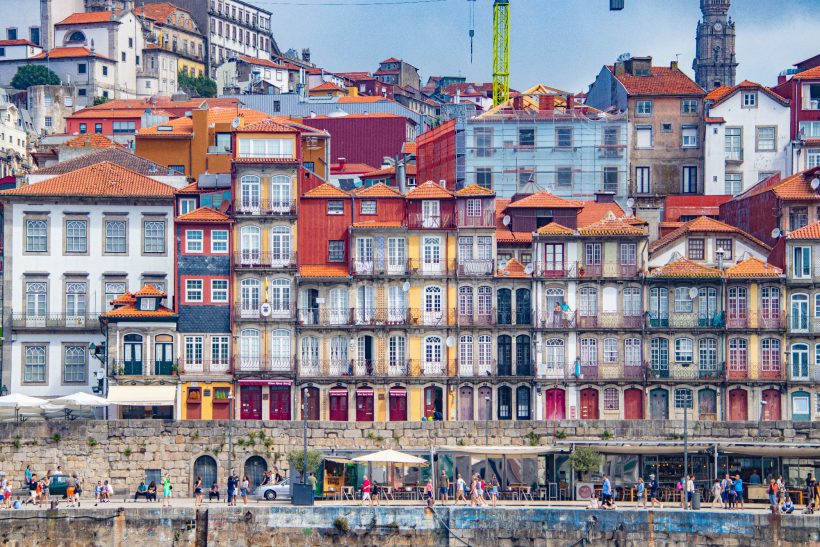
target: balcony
<point>206,366</point>
<point>803,324</point>
<point>431,268</point>
<point>262,312</point>
<point>433,369</point>
<point>686,321</point>
<point>684,371</point>
<point>58,321</point>
<point>476,320</point>
<point>484,220</point>
<point>593,371</point>
<point>256,363</point>
<point>468,268</point>
<point>370,267</point>
<point>580,270</point>
<point>145,368</point>
<point>506,318</point>
<point>253,259</point>
<point>265,207</point>
<point>345,317</point>
<point>475,367</point>
<point>609,320</point>
<point>421,221</point>
<point>324,368</point>
<point>556,321</point>
<point>525,368</point>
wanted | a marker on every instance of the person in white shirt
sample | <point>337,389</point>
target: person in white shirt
<point>460,486</point>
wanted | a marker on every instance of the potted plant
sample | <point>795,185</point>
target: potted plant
<point>584,460</point>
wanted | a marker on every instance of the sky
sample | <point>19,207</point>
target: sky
<point>561,43</point>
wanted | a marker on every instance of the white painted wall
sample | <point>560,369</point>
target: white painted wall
<point>740,247</point>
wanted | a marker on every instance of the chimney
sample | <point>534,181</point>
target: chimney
<point>673,65</point>
<point>604,197</point>
<point>546,102</point>
<point>781,79</point>
<point>342,162</point>
<point>518,102</point>
<point>442,183</point>
<point>570,102</point>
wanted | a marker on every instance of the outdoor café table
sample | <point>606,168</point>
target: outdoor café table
<point>796,495</point>
<point>518,491</point>
<point>332,494</point>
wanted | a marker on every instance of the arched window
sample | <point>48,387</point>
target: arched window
<point>504,403</point>
<point>522,400</point>
<point>249,245</point>
<point>132,350</point>
<point>75,37</point>
<point>800,361</point>
<point>432,305</point>
<point>800,312</point>
<point>504,343</point>
<point>770,306</point>
<point>280,246</point>
<point>249,355</point>
<point>255,468</point>
<point>35,365</point>
<point>523,360</point>
<point>249,297</point>
<point>433,361</point>
<point>280,296</point>
<point>465,302</point>
<point>465,355</point>
<point>611,399</point>
<point>504,297</point>
<point>554,355</point>
<point>249,193</point>
<point>485,355</point>
<point>523,306</point>
<point>280,194</point>
<point>280,350</point>
<point>205,467</point>
<point>484,302</point>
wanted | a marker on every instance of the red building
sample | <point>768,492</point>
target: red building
<point>803,92</point>
<point>364,138</point>
<point>436,154</point>
<point>366,84</point>
<point>328,211</point>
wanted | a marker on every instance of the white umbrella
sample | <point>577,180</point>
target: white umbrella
<point>390,456</point>
<point>79,400</point>
<point>18,400</point>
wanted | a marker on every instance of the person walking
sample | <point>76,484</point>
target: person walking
<point>167,487</point>
<point>474,491</point>
<point>738,484</point>
<point>443,487</point>
<point>772,496</point>
<point>640,492</point>
<point>243,489</point>
<point>654,491</point>
<point>717,494</point>
<point>811,487</point>
<point>606,492</point>
<point>726,491</point>
<point>690,490</point>
<point>375,492</point>
<point>428,493</point>
<point>46,483</point>
<point>231,487</point>
<point>198,491</point>
<point>460,486</point>
<point>494,491</point>
<point>366,491</point>
<point>28,474</point>
<point>781,489</point>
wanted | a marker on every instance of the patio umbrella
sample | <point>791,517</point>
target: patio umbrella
<point>76,401</point>
<point>390,456</point>
<point>19,401</point>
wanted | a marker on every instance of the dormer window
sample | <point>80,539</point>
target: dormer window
<point>147,304</point>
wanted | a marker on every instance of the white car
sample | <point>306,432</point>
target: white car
<point>270,492</point>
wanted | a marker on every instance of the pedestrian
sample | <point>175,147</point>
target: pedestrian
<point>231,489</point>
<point>312,481</point>
<point>481,491</point>
<point>474,490</point>
<point>460,486</point>
<point>32,489</point>
<point>444,487</point>
<point>428,493</point>
<point>59,470</point>
<point>69,491</point>
<point>78,489</point>
<point>28,473</point>
<point>811,487</point>
<point>772,496</point>
<point>738,484</point>
<point>39,493</point>
<point>494,491</point>
<point>726,491</point>
<point>781,489</point>
<point>606,492</point>
<point>375,491</point>
<point>167,487</point>
<point>243,489</point>
<point>717,494</point>
<point>5,489</point>
<point>680,488</point>
<point>788,505</point>
<point>690,490</point>
<point>654,491</point>
<point>640,491</point>
<point>46,483</point>
<point>366,491</point>
<point>198,491</point>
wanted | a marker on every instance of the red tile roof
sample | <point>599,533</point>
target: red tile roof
<point>8,43</point>
<point>794,188</point>
<point>812,231</point>
<point>91,140</point>
<point>261,62</point>
<point>544,200</point>
<point>378,224</point>
<point>321,270</point>
<point>662,81</point>
<point>711,119</point>
<point>149,291</point>
<point>102,179</point>
<point>703,225</point>
<point>192,188</point>
<point>266,126</point>
<point>594,212</point>
<point>130,310</point>
<point>722,93</point>
<point>204,214</point>
<point>410,169</point>
<point>503,234</point>
<point>429,190</point>
<point>119,156</point>
<point>350,168</point>
<point>753,268</point>
<point>88,17</point>
<point>718,93</point>
<point>327,86</point>
<point>380,190</point>
<point>326,190</point>
<point>390,60</point>
<point>408,148</point>
<point>683,267</point>
<point>513,268</point>
<point>474,190</point>
<point>810,74</point>
<point>125,298</point>
<point>69,53</point>
<point>555,229</point>
<point>612,226</point>
<point>87,113</point>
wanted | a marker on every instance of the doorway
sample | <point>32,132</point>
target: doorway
<point>589,404</point>
<point>659,404</point>
<point>738,405</point>
<point>280,402</point>
<point>250,403</point>
<point>633,404</point>
<point>364,404</point>
<point>465,404</point>
<point>554,404</point>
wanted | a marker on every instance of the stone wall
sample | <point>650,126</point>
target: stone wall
<point>121,450</point>
<point>258,524</point>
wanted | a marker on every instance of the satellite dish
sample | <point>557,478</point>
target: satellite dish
<point>265,309</point>
<point>776,233</point>
<point>405,286</point>
<point>815,183</point>
<point>451,341</point>
<point>630,203</point>
<point>235,123</point>
<point>506,220</point>
<point>528,269</point>
<point>693,293</point>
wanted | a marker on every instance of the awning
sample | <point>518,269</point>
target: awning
<point>499,450</point>
<point>338,391</point>
<point>398,392</point>
<point>365,391</point>
<point>636,447</point>
<point>265,382</point>
<point>142,395</point>
<point>336,459</point>
<point>773,451</point>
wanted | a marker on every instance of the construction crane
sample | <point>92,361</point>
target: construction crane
<point>501,51</point>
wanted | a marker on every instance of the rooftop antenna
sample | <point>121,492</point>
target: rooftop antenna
<point>472,27</point>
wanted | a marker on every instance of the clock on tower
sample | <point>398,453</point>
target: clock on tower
<point>715,64</point>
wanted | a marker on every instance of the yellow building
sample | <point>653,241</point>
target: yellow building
<point>173,29</point>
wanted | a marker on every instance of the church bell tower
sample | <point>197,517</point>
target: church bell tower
<point>715,64</point>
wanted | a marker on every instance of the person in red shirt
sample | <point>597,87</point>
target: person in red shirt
<point>366,491</point>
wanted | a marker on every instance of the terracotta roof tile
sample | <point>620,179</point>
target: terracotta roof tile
<point>753,267</point>
<point>149,290</point>
<point>812,231</point>
<point>555,229</point>
<point>326,190</point>
<point>130,310</point>
<point>350,168</point>
<point>683,267</point>
<point>119,113</point>
<point>408,148</point>
<point>663,80</point>
<point>103,179</point>
<point>594,212</point>
<point>91,140</point>
<point>711,119</point>
<point>266,160</point>
<point>88,17</point>
<point>266,126</point>
<point>8,43</point>
<point>327,86</point>
<point>380,190</point>
<point>809,74</point>
<point>322,270</point>
<point>204,214</point>
<point>261,62</point>
<point>508,236</point>
<point>720,94</point>
<point>119,156</point>
<point>429,190</point>
<point>176,127</point>
<point>513,268</point>
<point>192,188</point>
<point>544,200</point>
<point>611,226</point>
<point>702,225</point>
<point>69,52</point>
<point>474,190</point>
<point>125,298</point>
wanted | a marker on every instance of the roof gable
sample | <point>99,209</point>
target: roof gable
<point>474,190</point>
<point>703,225</point>
<point>326,190</point>
<point>544,200</point>
<point>429,190</point>
<point>555,229</point>
<point>379,190</point>
<point>683,267</point>
<point>611,226</point>
<point>204,214</point>
<point>753,268</point>
<point>116,155</point>
<point>662,80</point>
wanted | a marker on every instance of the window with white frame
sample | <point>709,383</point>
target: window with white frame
<point>632,301</point>
<point>186,205</point>
<point>643,108</point>
<point>193,290</point>
<point>733,184</point>
<point>34,366</point>
<point>220,349</point>
<point>465,248</point>
<point>766,138</point>
<point>219,290</point>
<point>74,364</point>
<point>733,144</point>
<point>154,236</point>
<point>707,353</point>
<point>689,135</point>
<point>193,350</point>
<point>113,290</point>
<point>632,352</point>
<point>265,148</point>
<point>473,207</point>
<point>368,207</point>
<point>611,398</point>
<point>628,254</point>
<point>610,350</point>
<point>643,136</point>
<point>219,241</point>
<point>801,263</point>
<point>770,355</point>
<point>36,236</point>
<point>683,303</point>
<point>589,352</point>
<point>684,350</point>
<point>750,99</point>
<point>484,248</point>
<point>659,354</point>
<point>193,241</point>
<point>465,301</point>
<point>689,106</point>
<point>335,207</point>
<point>116,238</point>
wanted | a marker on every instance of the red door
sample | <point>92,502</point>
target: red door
<point>364,405</point>
<point>193,406</point>
<point>433,404</point>
<point>589,404</point>
<point>771,410</point>
<point>280,402</point>
<point>738,405</point>
<point>633,404</point>
<point>312,402</point>
<point>398,404</point>
<point>554,404</point>
<point>251,403</point>
<point>338,405</point>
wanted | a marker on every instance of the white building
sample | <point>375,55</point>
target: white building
<point>14,138</point>
<point>48,106</point>
<point>243,74</point>
<point>159,74</point>
<point>74,243</point>
<point>16,50</point>
<point>34,20</point>
<point>747,137</point>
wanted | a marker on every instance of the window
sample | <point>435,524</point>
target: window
<point>666,128</point>
<point>75,299</point>
<point>193,290</point>
<point>219,290</point>
<point>726,245</point>
<point>98,128</point>
<point>335,207</point>
<point>526,137</point>
<point>750,99</point>
<point>643,108</point>
<point>193,350</point>
<point>219,241</point>
<point>336,251</point>
<point>34,369</point>
<point>34,35</point>
<point>632,301</point>
<point>690,180</point>
<point>683,398</point>
<point>659,354</point>
<point>766,139</point>
<point>643,136</point>
<point>733,184</point>
<point>696,249</point>
<point>484,177</point>
<point>193,241</point>
<point>734,144</point>
<point>121,128</point>
<point>563,137</point>
<point>707,351</point>
<point>81,68</point>
<point>801,263</point>
<point>178,169</point>
<point>265,148</point>
<point>36,236</point>
<point>49,121</point>
<point>368,207</point>
<point>74,364</point>
<point>798,217</point>
<point>611,398</point>
<point>610,350</point>
<point>589,352</point>
<point>11,33</point>
<point>689,106</point>
<point>684,349</point>
<point>154,236</point>
<point>526,175</point>
<point>628,254</point>
<point>113,290</point>
<point>105,71</point>
<point>642,180</point>
<point>683,303</point>
<point>610,181</point>
<point>186,205</point>
<point>123,57</point>
<point>115,237</point>
<point>689,135</point>
<point>465,248</point>
<point>563,176</point>
<point>483,142</point>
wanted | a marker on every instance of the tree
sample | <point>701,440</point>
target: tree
<point>199,86</point>
<point>296,459</point>
<point>100,100</point>
<point>29,75</point>
<point>585,460</point>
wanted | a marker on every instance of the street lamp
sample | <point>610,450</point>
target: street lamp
<point>488,410</point>
<point>305,396</point>
<point>230,432</point>
<point>763,404</point>
<point>687,400</point>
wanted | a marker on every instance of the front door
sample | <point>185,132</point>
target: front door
<point>431,214</point>
<point>465,404</point>
<point>338,407</point>
<point>364,361</point>
<point>771,410</point>
<point>633,404</point>
<point>707,404</point>
<point>589,404</point>
<point>659,404</point>
<point>312,402</point>
<point>163,356</point>
<point>738,405</point>
<point>433,402</point>
<point>193,406</point>
<point>554,404</point>
<point>432,255</point>
<point>398,405</point>
<point>251,403</point>
<point>280,403</point>
<point>485,403</point>
<point>364,406</point>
